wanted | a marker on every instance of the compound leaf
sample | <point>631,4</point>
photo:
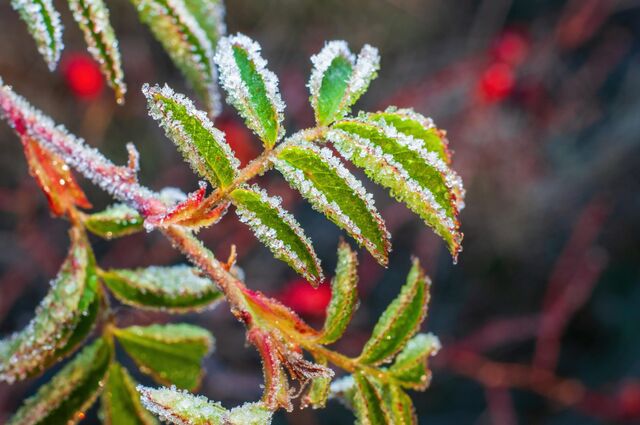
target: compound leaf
<point>416,176</point>
<point>400,320</point>
<point>92,17</point>
<point>278,230</point>
<point>71,391</point>
<point>176,289</point>
<point>332,190</point>
<point>171,354</point>
<point>203,146</point>
<point>63,318</point>
<point>251,88</point>
<point>410,366</point>
<point>116,221</point>
<point>121,402</point>
<point>338,79</point>
<point>343,295</point>
<point>189,46</point>
<point>43,22</point>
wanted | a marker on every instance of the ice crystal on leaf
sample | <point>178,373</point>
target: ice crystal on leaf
<point>43,22</point>
<point>251,88</point>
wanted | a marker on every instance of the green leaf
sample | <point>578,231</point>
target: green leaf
<point>210,17</point>
<point>70,392</point>
<point>400,320</point>
<point>402,163</point>
<point>43,22</point>
<point>367,404</point>
<point>181,407</point>
<point>171,354</point>
<point>344,296</point>
<point>338,79</point>
<point>202,145</point>
<point>189,46</point>
<point>63,318</point>
<point>121,402</point>
<point>278,230</point>
<point>331,189</point>
<point>251,88</point>
<point>116,221</point>
<point>410,367</point>
<point>92,17</point>
<point>319,389</point>
<point>409,122</point>
<point>176,289</point>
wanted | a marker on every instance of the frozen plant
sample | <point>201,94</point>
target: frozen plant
<point>397,148</point>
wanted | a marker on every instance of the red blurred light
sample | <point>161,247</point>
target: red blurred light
<point>497,82</point>
<point>511,47</point>
<point>239,138</point>
<point>83,76</point>
<point>306,300</point>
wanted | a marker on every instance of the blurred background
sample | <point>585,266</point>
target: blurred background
<point>541,100</point>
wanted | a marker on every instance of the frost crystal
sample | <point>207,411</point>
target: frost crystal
<point>238,93</point>
<point>181,407</point>
<point>43,22</point>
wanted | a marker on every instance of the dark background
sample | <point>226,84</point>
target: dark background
<point>541,99</point>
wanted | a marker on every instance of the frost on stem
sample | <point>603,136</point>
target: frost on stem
<point>120,182</point>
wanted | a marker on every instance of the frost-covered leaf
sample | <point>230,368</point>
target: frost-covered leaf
<point>188,44</point>
<point>171,354</point>
<point>400,320</point>
<point>43,22</point>
<point>189,212</point>
<point>338,79</point>
<point>318,392</point>
<point>411,123</point>
<point>278,230</point>
<point>176,289</point>
<point>92,17</point>
<point>251,88</point>
<point>332,190</point>
<point>343,295</point>
<point>54,178</point>
<point>410,366</point>
<point>181,407</point>
<point>203,146</point>
<point>414,174</point>
<point>210,16</point>
<point>63,318</point>
<point>367,404</point>
<point>70,392</point>
<point>120,401</point>
<point>116,221</point>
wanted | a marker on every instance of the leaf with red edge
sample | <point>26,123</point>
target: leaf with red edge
<point>190,212</point>
<point>276,387</point>
<point>54,178</point>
